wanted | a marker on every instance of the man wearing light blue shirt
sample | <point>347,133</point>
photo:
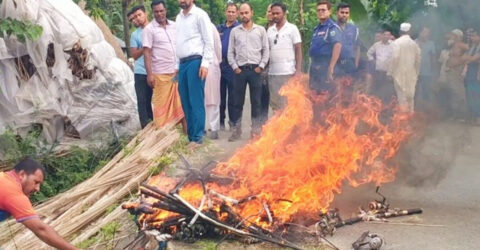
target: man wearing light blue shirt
<point>144,92</point>
<point>194,50</point>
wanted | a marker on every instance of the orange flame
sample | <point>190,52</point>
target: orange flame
<point>298,164</point>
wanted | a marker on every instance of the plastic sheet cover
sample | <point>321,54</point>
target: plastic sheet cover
<point>69,80</point>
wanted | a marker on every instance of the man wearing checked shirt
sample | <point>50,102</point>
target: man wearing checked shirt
<point>248,54</point>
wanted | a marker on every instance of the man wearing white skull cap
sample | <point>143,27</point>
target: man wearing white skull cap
<point>405,67</point>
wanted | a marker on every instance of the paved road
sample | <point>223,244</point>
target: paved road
<point>440,174</point>
<point>453,203</point>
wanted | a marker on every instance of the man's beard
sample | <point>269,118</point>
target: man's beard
<point>244,20</point>
<point>184,6</point>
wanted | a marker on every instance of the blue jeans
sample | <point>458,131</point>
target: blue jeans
<point>472,89</point>
<point>192,94</point>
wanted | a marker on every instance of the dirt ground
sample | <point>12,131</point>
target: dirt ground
<point>440,175</point>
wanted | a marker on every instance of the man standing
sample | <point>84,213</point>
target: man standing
<point>194,55</point>
<point>423,94</point>
<point>404,67</point>
<point>265,98</point>
<point>226,80</point>
<point>159,51</point>
<point>285,45</point>
<point>350,55</point>
<point>212,87</point>
<point>15,187</point>
<point>325,49</point>
<point>472,81</point>
<point>144,93</point>
<point>247,54</point>
<point>380,55</point>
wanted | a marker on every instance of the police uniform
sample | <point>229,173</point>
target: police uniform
<point>350,41</point>
<point>325,36</point>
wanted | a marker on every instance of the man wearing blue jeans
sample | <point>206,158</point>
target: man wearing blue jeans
<point>194,54</point>
<point>144,92</point>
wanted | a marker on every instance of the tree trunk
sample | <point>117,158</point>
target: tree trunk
<point>126,30</point>
<point>107,34</point>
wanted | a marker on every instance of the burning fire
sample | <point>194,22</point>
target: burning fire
<point>304,155</point>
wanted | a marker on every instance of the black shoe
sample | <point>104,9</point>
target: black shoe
<point>214,135</point>
<point>236,134</point>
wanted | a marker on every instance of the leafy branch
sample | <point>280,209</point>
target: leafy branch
<point>22,30</point>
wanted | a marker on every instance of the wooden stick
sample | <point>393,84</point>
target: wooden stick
<point>282,242</point>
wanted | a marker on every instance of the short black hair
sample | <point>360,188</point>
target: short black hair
<point>343,6</point>
<point>29,165</point>
<point>157,2</point>
<point>329,5</point>
<point>249,5</point>
<point>229,4</point>
<point>135,8</point>
<point>281,5</point>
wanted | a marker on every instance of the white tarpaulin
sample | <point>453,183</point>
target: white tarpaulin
<point>53,95</point>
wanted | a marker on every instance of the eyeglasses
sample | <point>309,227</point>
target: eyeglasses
<point>276,39</point>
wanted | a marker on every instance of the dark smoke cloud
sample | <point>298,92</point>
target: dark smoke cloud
<point>426,159</point>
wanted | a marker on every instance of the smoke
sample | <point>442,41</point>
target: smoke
<point>426,159</point>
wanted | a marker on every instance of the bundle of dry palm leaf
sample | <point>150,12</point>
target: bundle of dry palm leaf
<point>84,205</point>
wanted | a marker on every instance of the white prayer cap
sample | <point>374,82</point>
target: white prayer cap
<point>405,27</point>
<point>457,32</point>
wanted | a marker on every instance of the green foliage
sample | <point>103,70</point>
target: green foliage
<point>180,147</point>
<point>105,237</point>
<point>206,245</point>
<point>13,147</point>
<point>64,170</point>
<point>22,30</point>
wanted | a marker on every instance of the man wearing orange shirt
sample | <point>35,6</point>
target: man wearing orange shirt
<point>15,188</point>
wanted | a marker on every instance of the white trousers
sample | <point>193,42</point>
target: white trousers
<point>213,117</point>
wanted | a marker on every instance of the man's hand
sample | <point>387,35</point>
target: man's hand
<point>203,72</point>
<point>298,74</point>
<point>47,234</point>
<point>258,70</point>
<point>151,81</point>
<point>237,71</point>
<point>330,75</point>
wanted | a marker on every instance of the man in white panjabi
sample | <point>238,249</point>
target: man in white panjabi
<point>405,67</point>
<point>212,87</point>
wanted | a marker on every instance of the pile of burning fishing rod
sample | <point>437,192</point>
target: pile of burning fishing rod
<point>216,218</point>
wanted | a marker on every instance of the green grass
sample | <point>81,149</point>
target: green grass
<point>105,237</point>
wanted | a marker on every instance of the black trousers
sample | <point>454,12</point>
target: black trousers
<point>265,100</point>
<point>240,81</point>
<point>144,99</point>
<point>226,100</point>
